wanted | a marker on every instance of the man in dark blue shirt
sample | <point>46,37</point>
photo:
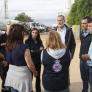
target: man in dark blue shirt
<point>85,38</point>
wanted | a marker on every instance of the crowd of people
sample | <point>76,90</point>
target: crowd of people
<point>21,61</point>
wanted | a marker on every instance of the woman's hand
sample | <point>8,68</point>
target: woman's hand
<point>29,62</point>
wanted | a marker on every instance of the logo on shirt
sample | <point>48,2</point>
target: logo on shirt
<point>57,67</point>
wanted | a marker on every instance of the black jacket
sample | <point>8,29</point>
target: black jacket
<point>3,69</point>
<point>35,50</point>
<point>85,43</point>
<point>2,43</point>
<point>69,40</point>
<point>56,72</point>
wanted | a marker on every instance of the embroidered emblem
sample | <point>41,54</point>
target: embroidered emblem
<point>57,67</point>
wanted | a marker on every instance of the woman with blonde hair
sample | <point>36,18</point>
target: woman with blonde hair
<point>56,61</point>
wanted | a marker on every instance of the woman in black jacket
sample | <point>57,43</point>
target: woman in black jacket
<point>35,45</point>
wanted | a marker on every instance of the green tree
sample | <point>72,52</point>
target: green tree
<point>23,17</point>
<point>78,10</point>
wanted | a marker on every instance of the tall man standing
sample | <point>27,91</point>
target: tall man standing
<point>66,34</point>
<point>85,38</point>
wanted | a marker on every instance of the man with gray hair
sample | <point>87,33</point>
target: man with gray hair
<point>66,34</point>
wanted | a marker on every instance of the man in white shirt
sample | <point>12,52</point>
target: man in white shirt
<point>66,34</point>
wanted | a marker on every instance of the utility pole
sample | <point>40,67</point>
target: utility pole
<point>6,8</point>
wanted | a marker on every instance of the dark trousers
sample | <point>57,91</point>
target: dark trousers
<point>84,75</point>
<point>38,80</point>
<point>3,73</point>
<point>90,78</point>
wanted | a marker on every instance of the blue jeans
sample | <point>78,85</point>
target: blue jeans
<point>84,75</point>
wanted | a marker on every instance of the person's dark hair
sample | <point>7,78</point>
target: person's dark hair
<point>15,36</point>
<point>90,21</point>
<point>88,18</point>
<point>38,36</point>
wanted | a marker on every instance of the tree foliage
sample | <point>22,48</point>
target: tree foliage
<point>23,17</point>
<point>78,10</point>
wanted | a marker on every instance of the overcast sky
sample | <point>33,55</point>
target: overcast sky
<point>38,9</point>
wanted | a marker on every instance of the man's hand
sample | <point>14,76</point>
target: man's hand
<point>85,57</point>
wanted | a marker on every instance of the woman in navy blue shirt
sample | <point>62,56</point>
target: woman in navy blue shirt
<point>18,56</point>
